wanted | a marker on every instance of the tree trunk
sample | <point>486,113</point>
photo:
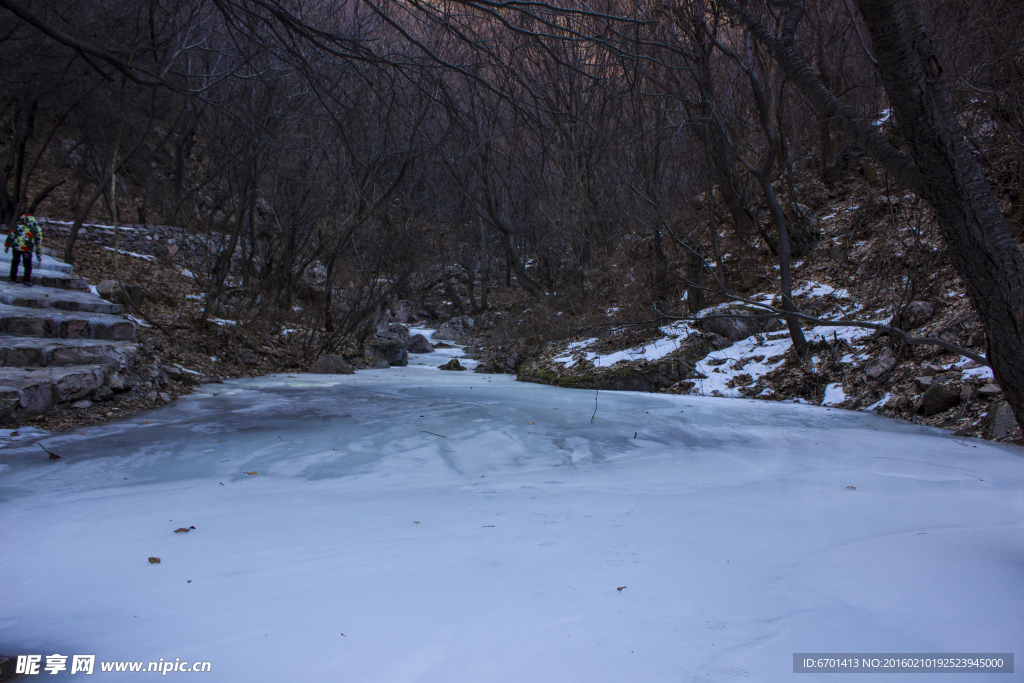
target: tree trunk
<point>942,169</point>
<point>980,241</point>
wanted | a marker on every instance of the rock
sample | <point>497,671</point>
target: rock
<point>172,372</point>
<point>881,365</point>
<point>375,359</point>
<point>488,367</point>
<point>455,329</point>
<point>401,332</point>
<point>387,335</point>
<point>731,323</point>
<point>151,396</point>
<point>248,357</point>
<point>968,392</point>
<point>330,364</point>
<point>82,405</point>
<point>265,327</point>
<point>392,351</point>
<point>164,397</point>
<point>453,364</point>
<point>116,381</point>
<point>103,393</point>
<point>77,384</point>
<point>923,382</point>
<point>108,289</point>
<point>989,391</point>
<point>931,370</point>
<point>418,344</point>
<point>406,313</point>
<point>172,249</point>
<point>917,313</point>
<point>999,421</point>
<point>471,350</point>
<point>936,399</point>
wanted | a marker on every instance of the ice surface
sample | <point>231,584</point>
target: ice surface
<point>730,524</point>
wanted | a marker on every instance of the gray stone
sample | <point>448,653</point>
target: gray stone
<point>401,332</point>
<point>406,312</point>
<point>471,350</point>
<point>108,289</point>
<point>455,329</point>
<point>151,396</point>
<point>116,381</point>
<point>375,359</point>
<point>936,399</point>
<point>453,364</point>
<point>172,372</point>
<point>418,344</point>
<point>103,393</point>
<point>881,365</point>
<point>78,382</point>
<point>81,405</point>
<point>164,397</point>
<point>917,313</point>
<point>392,351</point>
<point>923,382</point>
<point>331,364</point>
<point>931,370</point>
<point>989,391</point>
<point>248,357</point>
<point>999,421</point>
<point>732,324</point>
<point>388,335</point>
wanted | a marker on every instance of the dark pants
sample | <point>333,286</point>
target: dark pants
<point>16,258</point>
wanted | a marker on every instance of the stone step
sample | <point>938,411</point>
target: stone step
<point>49,297</point>
<point>27,392</point>
<point>57,324</point>
<point>33,352</point>
<point>48,265</point>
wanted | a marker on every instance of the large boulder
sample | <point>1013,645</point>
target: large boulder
<point>406,312</point>
<point>330,364</point>
<point>453,364</point>
<point>917,313</point>
<point>736,323</point>
<point>999,421</point>
<point>455,329</point>
<point>401,332</point>
<point>885,362</point>
<point>391,350</point>
<point>418,344</point>
<point>936,399</point>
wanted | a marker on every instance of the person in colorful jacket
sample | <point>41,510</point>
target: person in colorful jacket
<point>25,237</point>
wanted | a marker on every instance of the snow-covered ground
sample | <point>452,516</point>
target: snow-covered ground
<point>755,356</point>
<point>415,525</point>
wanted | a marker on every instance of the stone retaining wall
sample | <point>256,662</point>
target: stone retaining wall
<point>153,240</point>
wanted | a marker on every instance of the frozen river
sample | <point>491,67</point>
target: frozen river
<point>417,525</point>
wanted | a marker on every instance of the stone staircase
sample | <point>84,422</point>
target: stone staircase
<point>48,273</point>
<point>60,344</point>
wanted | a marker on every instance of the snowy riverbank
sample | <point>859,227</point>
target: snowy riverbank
<point>464,527</point>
